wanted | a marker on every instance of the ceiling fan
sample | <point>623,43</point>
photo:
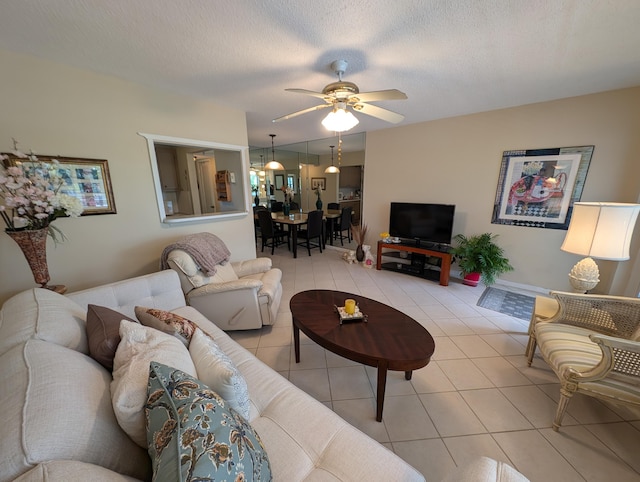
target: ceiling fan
<point>341,95</point>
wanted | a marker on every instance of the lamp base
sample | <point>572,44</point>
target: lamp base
<point>584,275</point>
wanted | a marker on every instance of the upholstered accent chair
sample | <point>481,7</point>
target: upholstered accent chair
<point>592,343</point>
<point>241,295</point>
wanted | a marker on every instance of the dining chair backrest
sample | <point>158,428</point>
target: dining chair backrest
<point>314,224</point>
<point>333,206</point>
<point>345,218</point>
<point>276,206</point>
<point>266,223</point>
<point>294,206</point>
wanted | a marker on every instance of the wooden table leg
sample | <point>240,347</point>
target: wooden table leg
<point>296,342</point>
<point>382,384</point>
<point>295,240</point>
<point>407,375</point>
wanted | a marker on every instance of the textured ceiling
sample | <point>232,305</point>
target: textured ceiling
<point>450,57</point>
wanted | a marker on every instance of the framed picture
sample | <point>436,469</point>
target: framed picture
<point>538,187</point>
<point>85,179</point>
<point>279,181</point>
<point>319,182</point>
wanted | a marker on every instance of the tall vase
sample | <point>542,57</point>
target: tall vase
<point>319,203</point>
<point>33,244</point>
<point>359,253</point>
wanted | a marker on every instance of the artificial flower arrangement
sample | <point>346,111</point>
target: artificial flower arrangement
<point>288,194</point>
<point>30,197</point>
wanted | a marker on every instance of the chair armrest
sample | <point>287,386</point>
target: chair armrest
<point>241,284</point>
<point>251,266</point>
<point>622,357</point>
<point>617,316</point>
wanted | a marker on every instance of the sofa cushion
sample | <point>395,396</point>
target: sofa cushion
<point>139,346</point>
<point>193,436</point>
<point>103,333</point>
<point>218,372</point>
<point>72,471</point>
<point>56,405</point>
<point>166,322</point>
<point>45,315</point>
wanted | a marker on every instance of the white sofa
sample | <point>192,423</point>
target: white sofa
<point>59,424</point>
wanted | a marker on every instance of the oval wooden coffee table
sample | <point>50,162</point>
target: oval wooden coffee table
<point>388,340</point>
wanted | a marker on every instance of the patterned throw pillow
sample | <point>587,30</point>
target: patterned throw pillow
<point>166,322</point>
<point>217,371</point>
<point>193,436</point>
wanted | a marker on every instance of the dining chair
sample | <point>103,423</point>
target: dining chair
<point>335,223</point>
<point>256,222</point>
<point>314,230</point>
<point>294,206</point>
<point>276,206</point>
<point>343,224</point>
<point>269,231</point>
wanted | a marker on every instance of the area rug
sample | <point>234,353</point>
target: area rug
<point>507,302</point>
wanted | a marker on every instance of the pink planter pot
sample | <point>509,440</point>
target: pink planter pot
<point>471,279</point>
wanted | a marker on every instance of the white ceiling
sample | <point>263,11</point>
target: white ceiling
<point>450,57</point>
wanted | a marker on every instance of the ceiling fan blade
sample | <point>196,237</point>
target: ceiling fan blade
<point>319,95</point>
<point>379,112</point>
<point>300,112</point>
<point>391,94</point>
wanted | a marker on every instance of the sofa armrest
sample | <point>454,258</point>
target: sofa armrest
<point>213,288</point>
<point>485,469</point>
<point>251,266</point>
<point>620,358</point>
<point>609,315</point>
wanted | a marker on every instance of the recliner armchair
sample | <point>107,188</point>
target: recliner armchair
<point>242,295</point>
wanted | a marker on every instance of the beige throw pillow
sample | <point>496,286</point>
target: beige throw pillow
<point>216,370</point>
<point>139,346</point>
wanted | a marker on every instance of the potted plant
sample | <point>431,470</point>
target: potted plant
<point>480,257</point>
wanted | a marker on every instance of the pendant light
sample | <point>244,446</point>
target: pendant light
<point>332,169</point>
<point>273,165</point>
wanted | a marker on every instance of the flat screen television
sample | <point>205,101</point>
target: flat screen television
<point>423,223</point>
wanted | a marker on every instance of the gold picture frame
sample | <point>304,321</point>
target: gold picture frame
<point>86,179</point>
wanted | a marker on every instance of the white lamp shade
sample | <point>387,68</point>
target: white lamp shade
<point>274,166</point>
<point>332,170</point>
<point>340,120</point>
<point>601,230</point>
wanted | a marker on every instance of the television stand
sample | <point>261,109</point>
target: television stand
<point>418,265</point>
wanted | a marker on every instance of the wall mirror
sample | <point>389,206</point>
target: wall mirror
<point>302,162</point>
<point>197,180</point>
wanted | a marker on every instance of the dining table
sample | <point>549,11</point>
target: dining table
<point>294,220</point>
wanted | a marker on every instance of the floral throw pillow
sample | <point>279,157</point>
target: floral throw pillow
<point>193,436</point>
<point>166,322</point>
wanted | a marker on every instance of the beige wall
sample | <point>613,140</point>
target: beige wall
<point>58,110</point>
<point>457,161</point>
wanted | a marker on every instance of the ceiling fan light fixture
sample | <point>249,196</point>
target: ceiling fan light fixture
<point>273,165</point>
<point>340,119</point>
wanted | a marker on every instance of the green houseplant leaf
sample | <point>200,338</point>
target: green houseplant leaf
<point>480,254</point>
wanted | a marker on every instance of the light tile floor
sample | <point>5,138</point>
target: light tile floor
<point>476,397</point>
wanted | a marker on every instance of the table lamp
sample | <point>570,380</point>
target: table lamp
<point>598,230</point>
